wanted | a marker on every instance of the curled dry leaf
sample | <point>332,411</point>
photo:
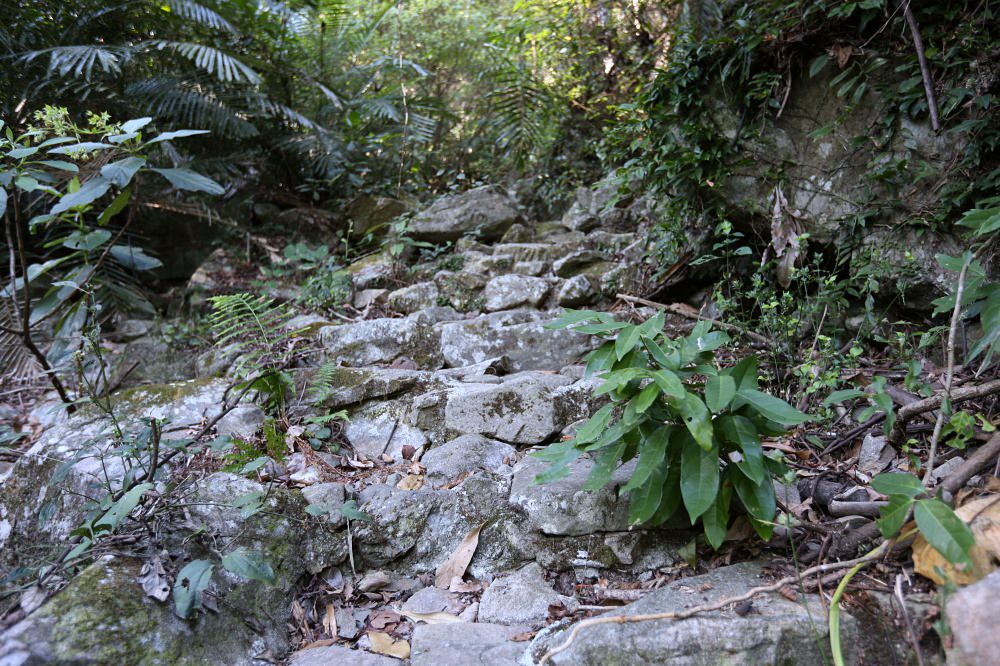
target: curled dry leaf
<point>408,451</point>
<point>383,643</point>
<point>458,562</point>
<point>154,581</point>
<point>374,580</point>
<point>411,482</point>
<point>330,620</point>
<point>983,518</point>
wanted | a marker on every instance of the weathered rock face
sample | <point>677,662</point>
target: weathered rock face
<point>521,336</point>
<point>34,510</point>
<point>486,211</point>
<point>460,644</point>
<point>522,598</point>
<point>973,611</point>
<point>366,212</point>
<point>779,632</point>
<point>510,291</point>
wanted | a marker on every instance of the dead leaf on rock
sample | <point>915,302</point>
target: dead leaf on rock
<point>411,482</point>
<point>523,636</point>
<point>153,579</point>
<point>374,580</point>
<point>438,617</point>
<point>383,619</point>
<point>842,53</point>
<point>461,587</point>
<point>408,451</point>
<point>383,643</point>
<point>330,620</point>
<point>455,566</point>
<point>983,518</point>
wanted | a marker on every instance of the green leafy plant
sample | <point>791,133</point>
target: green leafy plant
<point>694,428</point>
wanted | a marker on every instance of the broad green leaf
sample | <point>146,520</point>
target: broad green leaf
<point>595,426</point>
<point>757,498</point>
<point>178,134</point>
<point>671,498</point>
<point>644,501</point>
<point>88,241</point>
<point>249,564</point>
<point>135,124</point>
<point>3,201</point>
<point>740,431</point>
<point>699,477</point>
<point>604,466</point>
<point>652,456</point>
<point>60,165</point>
<point>600,359</point>
<point>944,530</point>
<point>134,258</point>
<point>668,360</point>
<point>120,510</point>
<point>19,153</point>
<point>83,147</point>
<point>571,317</point>
<point>350,510</point>
<point>185,179</point>
<point>600,327</point>
<point>716,519</point>
<point>116,206</point>
<point>120,173</point>
<point>897,483</point>
<point>191,582</point>
<point>647,396</point>
<point>719,392</point>
<point>697,418</point>
<point>843,395</point>
<point>669,383</point>
<point>88,193</point>
<point>626,341</point>
<point>744,373</point>
<point>773,408</point>
<point>893,515</point>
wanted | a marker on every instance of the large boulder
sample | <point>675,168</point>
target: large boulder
<point>384,340</point>
<point>510,291</point>
<point>973,610</point>
<point>519,335</point>
<point>486,211</point>
<point>775,631</point>
<point>366,212</point>
<point>523,597</point>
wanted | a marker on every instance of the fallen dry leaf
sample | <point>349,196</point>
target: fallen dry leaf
<point>983,518</point>
<point>438,617</point>
<point>153,579</point>
<point>411,482</point>
<point>384,644</point>
<point>455,566</point>
<point>330,620</point>
<point>408,451</point>
<point>382,619</point>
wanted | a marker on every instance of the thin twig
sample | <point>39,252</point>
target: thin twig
<point>678,310</point>
<point>949,375</point>
<point>925,70</point>
<point>958,395</point>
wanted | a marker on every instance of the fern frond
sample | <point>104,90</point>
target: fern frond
<point>321,384</point>
<point>254,326</point>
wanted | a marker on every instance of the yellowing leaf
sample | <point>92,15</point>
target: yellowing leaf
<point>983,518</point>
<point>383,643</point>
<point>411,482</point>
<point>455,566</point>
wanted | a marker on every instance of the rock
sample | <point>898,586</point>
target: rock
<point>522,597</point>
<point>509,291</point>
<point>942,471</point>
<point>972,612</point>
<point>366,212</point>
<point>383,340</point>
<point>466,454</point>
<point>242,422</point>
<point>307,220</point>
<point>350,386</point>
<point>328,655</point>
<point>432,600</point>
<point>35,511</point>
<point>383,427</point>
<point>156,362</point>
<point>103,617</point>
<point>329,496</point>
<point>461,289</point>
<point>575,292</point>
<point>215,362</point>
<point>370,272</point>
<point>520,410</point>
<point>368,297</point>
<point>464,643</point>
<point>577,263</point>
<point>777,631</point>
<point>486,211</point>
<point>518,233</point>
<point>563,507</point>
<point>213,273</point>
<point>532,268</point>
<point>417,530</point>
<point>875,455</point>
<point>266,212</point>
<point>415,297</point>
<point>519,335</point>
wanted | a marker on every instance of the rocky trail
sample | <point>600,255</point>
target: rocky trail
<point>447,551</point>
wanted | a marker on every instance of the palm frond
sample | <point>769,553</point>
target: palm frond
<point>79,61</point>
<point>222,65</point>
<point>190,106</point>
<point>199,13</point>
